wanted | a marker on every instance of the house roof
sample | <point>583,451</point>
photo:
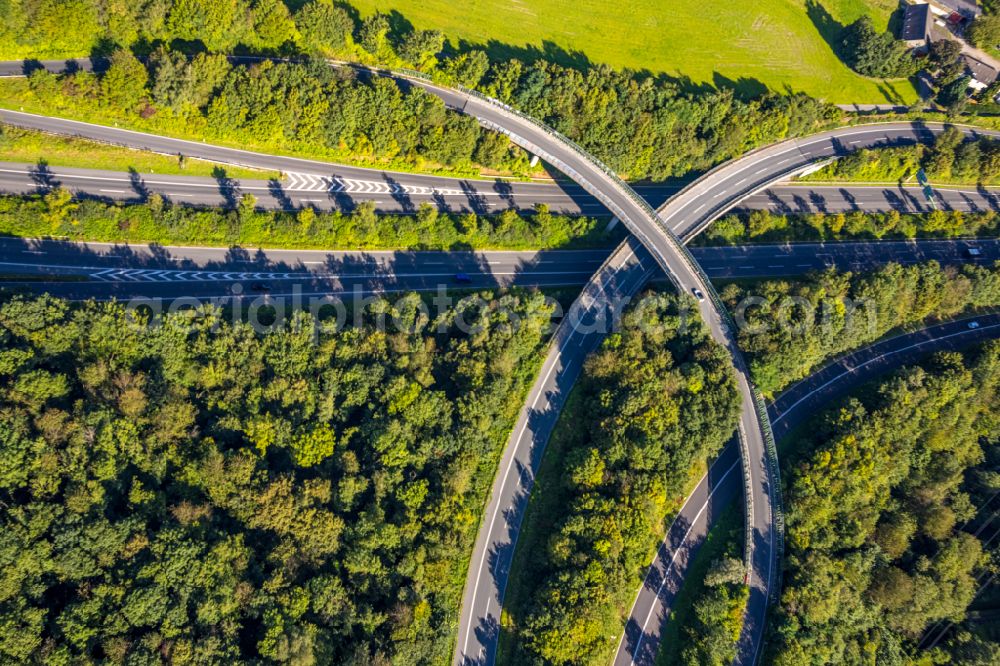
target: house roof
<point>980,70</point>
<point>916,23</point>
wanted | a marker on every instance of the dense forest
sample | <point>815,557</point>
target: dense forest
<point>882,494</point>
<point>642,126</point>
<point>789,328</point>
<point>771,227</point>
<point>654,402</point>
<point>949,159</point>
<point>196,492</point>
<point>57,214</point>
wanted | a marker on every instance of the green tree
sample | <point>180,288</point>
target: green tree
<point>124,84</point>
<point>872,53</point>
<point>420,47</point>
<point>984,32</point>
<point>272,24</point>
<point>373,35</point>
<point>199,491</point>
<point>468,69</point>
<point>219,24</point>
<point>323,26</point>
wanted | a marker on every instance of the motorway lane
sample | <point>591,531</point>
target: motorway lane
<point>727,186</point>
<point>130,271</point>
<point>791,259</point>
<point>808,198</point>
<point>390,193</point>
<point>687,214</point>
<point>391,196</point>
<point>586,325</point>
<point>792,407</point>
<point>127,271</point>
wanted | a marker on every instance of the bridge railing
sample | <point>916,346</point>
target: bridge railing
<point>777,505</point>
<point>694,266</point>
<point>688,258</point>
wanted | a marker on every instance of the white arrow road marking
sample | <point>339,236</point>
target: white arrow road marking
<point>103,275</point>
<point>305,182</point>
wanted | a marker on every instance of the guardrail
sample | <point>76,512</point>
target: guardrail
<point>687,257</point>
<point>706,285</point>
<point>777,507</point>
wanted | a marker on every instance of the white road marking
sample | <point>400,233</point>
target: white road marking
<point>513,458</point>
<point>659,590</point>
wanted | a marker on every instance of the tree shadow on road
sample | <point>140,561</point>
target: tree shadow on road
<point>43,177</point>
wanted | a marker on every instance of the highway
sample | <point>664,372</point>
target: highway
<point>111,270</point>
<point>684,215</point>
<point>687,214</point>
<point>791,408</point>
<point>398,193</point>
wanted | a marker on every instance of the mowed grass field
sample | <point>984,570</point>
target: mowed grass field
<point>777,43</point>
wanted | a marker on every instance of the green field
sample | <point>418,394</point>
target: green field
<point>777,43</point>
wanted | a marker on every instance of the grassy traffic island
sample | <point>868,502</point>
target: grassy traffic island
<point>621,459</point>
<point>39,148</point>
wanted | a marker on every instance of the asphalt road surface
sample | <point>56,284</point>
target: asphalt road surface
<point>109,270</point>
<point>396,194</point>
<point>684,215</point>
<point>721,484</point>
<point>687,214</point>
<point>342,190</point>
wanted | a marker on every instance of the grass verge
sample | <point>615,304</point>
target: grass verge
<point>16,95</point>
<point>23,145</point>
